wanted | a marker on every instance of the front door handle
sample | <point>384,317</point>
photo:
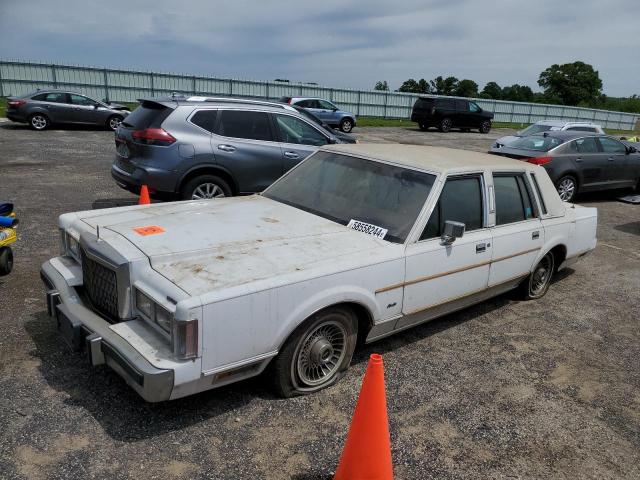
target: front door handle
<point>481,247</point>
<point>535,235</point>
<point>578,159</point>
<point>226,148</point>
<point>291,155</point>
<point>611,159</point>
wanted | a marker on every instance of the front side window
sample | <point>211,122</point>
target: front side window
<point>342,188</point>
<point>82,100</point>
<point>245,124</point>
<point>513,199</point>
<point>609,145</point>
<point>326,105</point>
<point>460,201</point>
<point>473,107</point>
<point>445,104</point>
<point>294,130</point>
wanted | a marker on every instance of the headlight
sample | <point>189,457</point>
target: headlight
<point>73,247</point>
<point>154,312</point>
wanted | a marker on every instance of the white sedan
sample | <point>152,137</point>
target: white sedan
<point>358,241</point>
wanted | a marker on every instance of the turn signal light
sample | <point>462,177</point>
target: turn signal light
<point>540,160</point>
<point>153,136</point>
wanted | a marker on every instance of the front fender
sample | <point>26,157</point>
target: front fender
<point>326,298</point>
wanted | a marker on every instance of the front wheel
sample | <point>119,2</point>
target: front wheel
<point>346,125</point>
<point>205,187</point>
<point>537,283</point>
<point>317,354</point>
<point>445,125</point>
<point>567,188</point>
<point>485,127</point>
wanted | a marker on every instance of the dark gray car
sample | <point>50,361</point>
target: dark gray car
<point>578,162</point>
<point>200,147</point>
<point>46,107</point>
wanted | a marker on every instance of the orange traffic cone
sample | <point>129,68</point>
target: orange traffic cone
<point>144,196</point>
<point>367,451</point>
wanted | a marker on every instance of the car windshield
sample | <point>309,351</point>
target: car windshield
<point>537,142</point>
<point>354,191</point>
<point>310,116</point>
<point>535,128</point>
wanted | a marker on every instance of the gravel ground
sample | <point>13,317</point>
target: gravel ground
<point>505,389</point>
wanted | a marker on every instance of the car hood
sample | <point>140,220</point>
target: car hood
<point>208,245</point>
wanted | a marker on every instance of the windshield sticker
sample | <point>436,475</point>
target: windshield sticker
<point>367,228</point>
<point>148,230</point>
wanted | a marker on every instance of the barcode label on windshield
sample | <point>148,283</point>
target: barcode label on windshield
<point>367,228</point>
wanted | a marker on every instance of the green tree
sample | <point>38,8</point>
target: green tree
<point>572,83</point>
<point>518,93</point>
<point>382,85</point>
<point>412,86</point>
<point>444,86</point>
<point>466,88</point>
<point>492,90</point>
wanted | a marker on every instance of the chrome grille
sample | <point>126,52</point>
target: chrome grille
<point>101,285</point>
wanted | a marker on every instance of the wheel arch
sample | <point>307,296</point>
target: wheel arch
<point>208,170</point>
<point>559,251</point>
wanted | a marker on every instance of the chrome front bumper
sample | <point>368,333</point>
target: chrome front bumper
<point>90,334</point>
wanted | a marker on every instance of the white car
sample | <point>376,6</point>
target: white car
<point>357,242</point>
<point>548,125</point>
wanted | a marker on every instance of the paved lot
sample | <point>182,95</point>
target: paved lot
<point>505,389</point>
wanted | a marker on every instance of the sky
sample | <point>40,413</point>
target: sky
<point>340,43</point>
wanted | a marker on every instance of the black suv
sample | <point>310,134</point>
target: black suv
<point>446,113</point>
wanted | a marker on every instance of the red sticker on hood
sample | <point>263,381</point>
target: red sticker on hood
<point>148,230</point>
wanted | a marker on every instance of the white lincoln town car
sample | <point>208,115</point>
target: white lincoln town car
<point>356,242</point>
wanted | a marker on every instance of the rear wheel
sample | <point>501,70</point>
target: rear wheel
<point>537,283</point>
<point>485,127</point>
<point>205,187</point>
<point>346,125</point>
<point>567,188</point>
<point>317,354</point>
<point>114,122</point>
<point>39,121</point>
<point>6,261</point>
<point>445,125</point>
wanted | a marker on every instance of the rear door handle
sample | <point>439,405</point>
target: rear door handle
<point>535,235</point>
<point>481,247</point>
<point>226,148</point>
<point>291,155</point>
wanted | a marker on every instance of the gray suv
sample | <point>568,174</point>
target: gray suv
<point>198,147</point>
<point>42,108</point>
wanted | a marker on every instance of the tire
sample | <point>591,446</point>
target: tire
<point>316,342</point>
<point>346,125</point>
<point>445,125</point>
<point>424,127</point>
<point>205,187</point>
<point>113,122</point>
<point>485,127</point>
<point>567,188</point>
<point>39,121</point>
<point>6,261</point>
<point>537,283</point>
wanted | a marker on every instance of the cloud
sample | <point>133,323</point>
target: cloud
<point>336,43</point>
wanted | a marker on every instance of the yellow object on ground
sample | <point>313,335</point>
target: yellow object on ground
<point>7,236</point>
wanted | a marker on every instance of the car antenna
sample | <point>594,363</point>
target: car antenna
<point>98,231</point>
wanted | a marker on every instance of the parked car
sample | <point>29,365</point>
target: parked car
<point>43,108</point>
<point>344,137</point>
<point>199,147</point>
<point>577,162</point>
<point>356,242</point>
<point>325,111</point>
<point>549,125</point>
<point>448,113</point>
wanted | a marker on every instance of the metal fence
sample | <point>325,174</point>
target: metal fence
<point>17,77</point>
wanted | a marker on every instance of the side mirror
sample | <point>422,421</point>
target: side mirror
<point>96,106</point>
<point>631,149</point>
<point>335,109</point>
<point>452,230</point>
<point>332,140</point>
